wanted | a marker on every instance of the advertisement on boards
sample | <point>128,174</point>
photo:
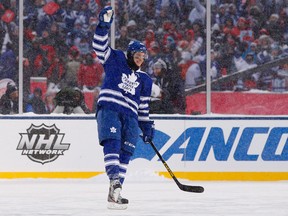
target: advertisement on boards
<point>194,147</point>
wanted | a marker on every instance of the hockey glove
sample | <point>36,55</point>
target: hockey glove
<point>148,130</point>
<point>106,17</point>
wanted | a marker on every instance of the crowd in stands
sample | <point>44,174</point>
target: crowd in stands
<point>58,43</point>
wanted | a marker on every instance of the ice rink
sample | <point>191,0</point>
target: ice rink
<point>148,194</point>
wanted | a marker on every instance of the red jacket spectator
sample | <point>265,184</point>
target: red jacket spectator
<point>55,71</point>
<point>185,63</point>
<point>90,73</point>
<point>170,31</point>
<point>242,30</point>
<point>149,38</point>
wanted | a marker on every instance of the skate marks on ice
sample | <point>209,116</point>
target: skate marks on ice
<point>148,195</point>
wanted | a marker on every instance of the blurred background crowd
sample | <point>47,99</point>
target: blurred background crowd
<point>58,46</point>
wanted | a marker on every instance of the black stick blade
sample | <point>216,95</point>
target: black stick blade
<point>189,188</point>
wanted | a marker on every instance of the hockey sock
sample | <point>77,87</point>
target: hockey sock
<point>111,157</point>
<point>124,161</point>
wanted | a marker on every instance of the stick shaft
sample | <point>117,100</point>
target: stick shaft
<point>188,188</point>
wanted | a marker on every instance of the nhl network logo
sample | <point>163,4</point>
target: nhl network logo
<point>42,144</point>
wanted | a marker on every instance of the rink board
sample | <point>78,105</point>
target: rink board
<point>195,147</point>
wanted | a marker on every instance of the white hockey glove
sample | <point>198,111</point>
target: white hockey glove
<point>106,17</point>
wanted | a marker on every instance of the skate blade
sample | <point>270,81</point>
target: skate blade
<point>116,206</point>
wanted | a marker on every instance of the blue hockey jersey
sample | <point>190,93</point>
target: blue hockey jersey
<point>123,89</point>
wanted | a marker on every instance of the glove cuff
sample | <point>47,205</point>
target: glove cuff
<point>146,125</point>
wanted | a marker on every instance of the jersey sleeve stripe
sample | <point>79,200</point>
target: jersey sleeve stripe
<point>101,38</point>
<point>143,106</point>
<point>145,98</point>
<point>100,47</point>
<point>143,118</point>
<point>143,111</point>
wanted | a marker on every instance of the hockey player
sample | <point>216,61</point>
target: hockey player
<point>122,107</point>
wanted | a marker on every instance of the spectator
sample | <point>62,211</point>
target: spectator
<point>70,100</point>
<point>149,38</point>
<point>215,71</point>
<point>241,64</point>
<point>170,54</point>
<point>221,17</point>
<point>78,35</point>
<point>9,101</point>
<point>132,29</point>
<point>57,38</point>
<point>37,58</point>
<point>122,41</point>
<point>240,30</point>
<point>171,8</point>
<point>274,28</point>
<point>226,58</point>
<point>276,52</point>
<point>150,10</point>
<point>72,67</point>
<point>193,75</point>
<point>283,20</point>
<point>170,31</point>
<point>151,25</point>
<point>250,58</point>
<point>69,13</point>
<point>264,78</point>
<point>9,29</point>
<point>84,46</point>
<point>154,54</point>
<point>35,103</point>
<point>48,46</point>
<point>198,12</point>
<point>85,13</point>
<point>228,25</point>
<point>189,37</point>
<point>55,72</point>
<point>8,64</point>
<point>257,14</point>
<point>135,10</point>
<point>199,37</point>
<point>172,98</point>
<point>49,101</point>
<point>280,81</point>
<point>162,15</point>
<point>90,73</point>
<point>232,13</point>
<point>250,82</point>
<point>185,63</point>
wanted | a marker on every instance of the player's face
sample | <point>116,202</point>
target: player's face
<point>139,58</point>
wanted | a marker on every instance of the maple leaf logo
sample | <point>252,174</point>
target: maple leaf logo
<point>129,83</point>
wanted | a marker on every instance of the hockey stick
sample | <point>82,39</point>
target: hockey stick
<point>187,188</point>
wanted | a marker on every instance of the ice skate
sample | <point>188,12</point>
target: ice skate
<point>115,201</point>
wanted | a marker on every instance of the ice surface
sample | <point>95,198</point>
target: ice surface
<point>148,193</point>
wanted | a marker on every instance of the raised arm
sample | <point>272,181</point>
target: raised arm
<point>100,39</point>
